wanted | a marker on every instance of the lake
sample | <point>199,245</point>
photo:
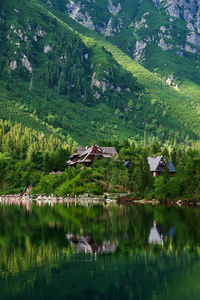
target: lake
<point>99,252</point>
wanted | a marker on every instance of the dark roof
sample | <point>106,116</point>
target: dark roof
<point>73,155</point>
<point>127,164</point>
<point>171,167</point>
<point>83,153</point>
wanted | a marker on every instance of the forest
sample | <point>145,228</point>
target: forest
<point>31,158</point>
<point>53,70</point>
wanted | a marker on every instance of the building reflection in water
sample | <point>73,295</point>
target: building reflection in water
<point>157,234</point>
<point>86,244</point>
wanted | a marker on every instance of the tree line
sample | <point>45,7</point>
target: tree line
<point>29,157</point>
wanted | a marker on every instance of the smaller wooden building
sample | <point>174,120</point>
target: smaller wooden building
<point>157,165</point>
<point>86,155</point>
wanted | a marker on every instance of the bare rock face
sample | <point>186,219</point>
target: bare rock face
<point>47,48</point>
<point>13,65</point>
<point>156,3</point>
<point>74,11</point>
<point>193,38</point>
<point>139,47</point>
<point>170,81</point>
<point>116,20</point>
<point>109,29</point>
<point>163,29</point>
<point>26,63</point>
<point>16,10</point>
<point>188,48</point>
<point>162,44</point>
<point>173,10</point>
<point>179,53</point>
<point>78,12</point>
<point>179,8</point>
<point>189,10</point>
<point>39,32</point>
<point>113,9</point>
<point>101,85</point>
<point>138,24</point>
<point>49,3</point>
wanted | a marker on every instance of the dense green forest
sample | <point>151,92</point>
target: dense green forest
<point>25,154</point>
<point>63,84</point>
<point>28,157</point>
<point>62,78</point>
<point>110,175</point>
<point>49,76</point>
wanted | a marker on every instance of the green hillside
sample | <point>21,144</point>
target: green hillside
<point>181,104</point>
<point>162,31</point>
<point>58,76</point>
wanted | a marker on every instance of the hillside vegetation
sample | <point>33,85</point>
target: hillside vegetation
<point>162,36</point>
<point>31,158</point>
<point>60,77</point>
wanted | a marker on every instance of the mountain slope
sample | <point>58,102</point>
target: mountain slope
<point>164,36</point>
<point>47,68</point>
<point>182,104</point>
<point>71,81</point>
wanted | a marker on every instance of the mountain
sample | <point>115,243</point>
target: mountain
<point>164,36</point>
<point>96,69</point>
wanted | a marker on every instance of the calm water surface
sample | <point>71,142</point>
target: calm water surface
<point>128,252</point>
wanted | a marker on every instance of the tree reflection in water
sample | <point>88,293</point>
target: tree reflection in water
<point>123,252</point>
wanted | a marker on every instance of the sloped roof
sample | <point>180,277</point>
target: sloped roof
<point>83,153</point>
<point>127,164</point>
<point>109,150</point>
<point>154,162</point>
<point>86,152</point>
<point>80,150</point>
<point>106,150</point>
<point>154,236</point>
<point>171,167</point>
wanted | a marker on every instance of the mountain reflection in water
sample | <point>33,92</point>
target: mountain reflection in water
<point>119,252</point>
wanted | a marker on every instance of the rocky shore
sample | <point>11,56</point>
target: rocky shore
<point>51,200</point>
<point>42,200</point>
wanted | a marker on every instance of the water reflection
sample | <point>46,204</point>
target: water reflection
<point>156,235</point>
<point>86,244</point>
<point>120,252</point>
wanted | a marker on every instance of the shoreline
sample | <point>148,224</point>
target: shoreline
<point>180,202</point>
<point>121,199</point>
<point>42,200</point>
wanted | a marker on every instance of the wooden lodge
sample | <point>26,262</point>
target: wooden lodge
<point>157,165</point>
<point>86,155</point>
